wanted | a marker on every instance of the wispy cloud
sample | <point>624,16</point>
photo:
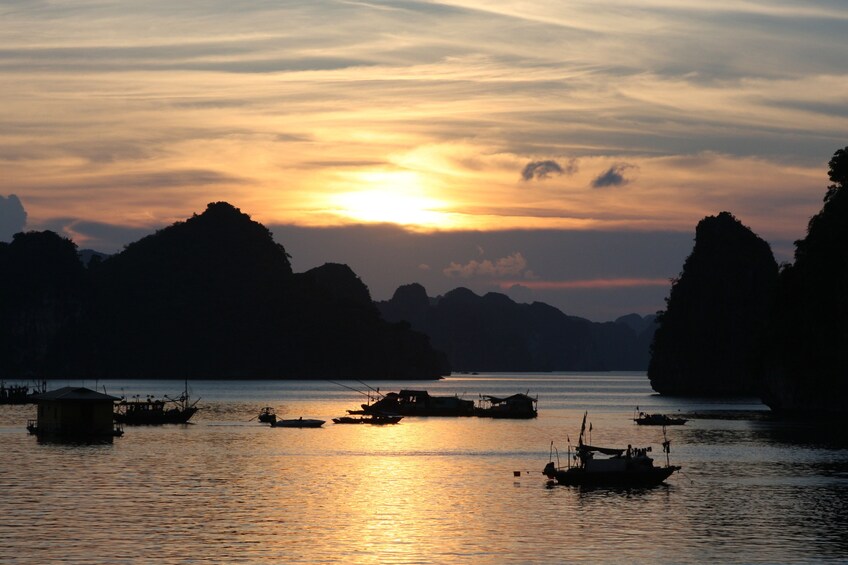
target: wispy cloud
<point>463,92</point>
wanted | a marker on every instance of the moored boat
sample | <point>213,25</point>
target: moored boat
<point>517,406</point>
<point>155,411</point>
<point>374,420</point>
<point>629,467</point>
<point>658,420</point>
<point>20,393</point>
<point>298,423</point>
<point>419,403</point>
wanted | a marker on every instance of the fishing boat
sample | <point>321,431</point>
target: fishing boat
<point>658,420</point>
<point>374,420</point>
<point>298,423</point>
<point>267,415</point>
<point>419,403</point>
<point>629,467</point>
<point>517,406</point>
<point>152,411</point>
<point>20,393</point>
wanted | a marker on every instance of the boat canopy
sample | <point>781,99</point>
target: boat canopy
<point>604,450</point>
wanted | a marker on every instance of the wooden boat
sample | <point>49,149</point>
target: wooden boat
<point>20,394</point>
<point>298,423</point>
<point>419,403</point>
<point>658,420</point>
<point>374,420</point>
<point>155,411</point>
<point>622,468</point>
<point>517,406</point>
<point>267,415</point>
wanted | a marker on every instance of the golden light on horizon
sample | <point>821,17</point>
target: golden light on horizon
<point>396,197</point>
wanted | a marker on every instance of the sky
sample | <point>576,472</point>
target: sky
<point>560,151</point>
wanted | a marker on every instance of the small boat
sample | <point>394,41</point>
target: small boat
<point>517,406</point>
<point>658,420</point>
<point>297,423</point>
<point>623,468</point>
<point>155,411</point>
<point>267,415</point>
<point>374,420</point>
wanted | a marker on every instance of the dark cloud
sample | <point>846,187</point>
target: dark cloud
<point>614,176</point>
<point>543,169</point>
<point>12,217</point>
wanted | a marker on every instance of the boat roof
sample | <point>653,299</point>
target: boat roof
<point>499,399</point>
<point>604,450</point>
<point>408,392</point>
<point>74,394</point>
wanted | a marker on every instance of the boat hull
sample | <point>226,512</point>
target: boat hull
<point>505,415</point>
<point>155,418</point>
<point>372,420</point>
<point>623,479</point>
<point>299,423</point>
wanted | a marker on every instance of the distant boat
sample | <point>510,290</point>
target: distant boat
<point>375,419</point>
<point>20,394</point>
<point>155,411</point>
<point>623,468</point>
<point>658,420</point>
<point>517,406</point>
<point>298,423</point>
<point>267,415</point>
<point>419,403</point>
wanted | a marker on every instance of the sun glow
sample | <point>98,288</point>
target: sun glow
<point>394,197</point>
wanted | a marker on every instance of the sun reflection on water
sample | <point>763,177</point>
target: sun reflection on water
<point>428,490</point>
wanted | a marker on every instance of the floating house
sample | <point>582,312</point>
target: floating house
<point>75,411</point>
<point>517,406</point>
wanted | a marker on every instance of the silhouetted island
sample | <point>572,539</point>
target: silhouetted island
<point>494,333</point>
<point>807,361</point>
<point>708,339</point>
<point>211,297</point>
<point>735,325</point>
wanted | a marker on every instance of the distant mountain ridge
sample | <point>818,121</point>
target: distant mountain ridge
<point>494,333</point>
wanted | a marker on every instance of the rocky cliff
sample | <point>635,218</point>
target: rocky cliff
<point>709,337</point>
<point>807,359</point>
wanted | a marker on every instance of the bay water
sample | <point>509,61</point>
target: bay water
<point>226,489</point>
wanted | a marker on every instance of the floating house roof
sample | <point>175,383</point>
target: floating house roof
<point>74,394</point>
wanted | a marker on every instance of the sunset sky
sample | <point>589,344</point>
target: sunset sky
<point>560,151</point>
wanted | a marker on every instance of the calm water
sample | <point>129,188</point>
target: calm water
<point>429,490</point>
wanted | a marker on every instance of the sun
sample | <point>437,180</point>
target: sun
<point>396,197</point>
